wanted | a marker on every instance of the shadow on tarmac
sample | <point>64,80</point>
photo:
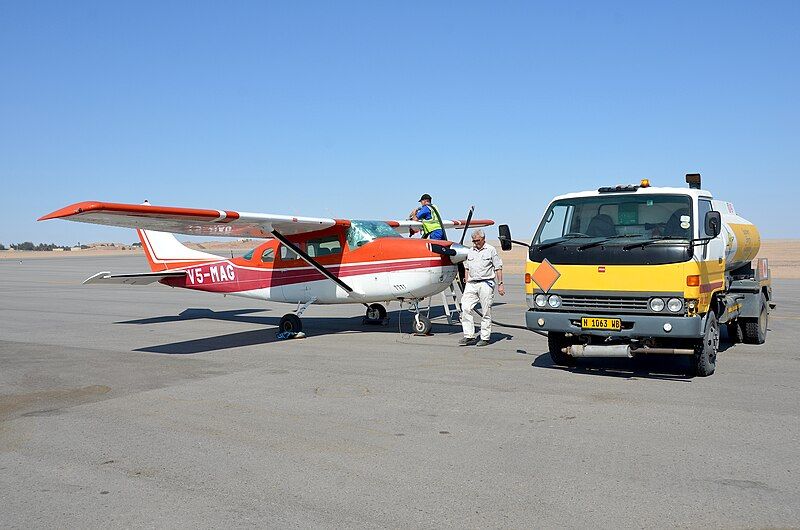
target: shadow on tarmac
<point>313,326</point>
<point>664,367</point>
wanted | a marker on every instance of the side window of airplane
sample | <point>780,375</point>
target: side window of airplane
<point>288,254</point>
<point>324,246</point>
<point>268,256</point>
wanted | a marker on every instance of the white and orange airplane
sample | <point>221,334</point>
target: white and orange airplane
<point>304,260</point>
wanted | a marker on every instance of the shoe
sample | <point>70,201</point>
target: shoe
<point>466,341</point>
<point>482,343</point>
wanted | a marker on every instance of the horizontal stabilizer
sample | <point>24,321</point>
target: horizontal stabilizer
<point>144,278</point>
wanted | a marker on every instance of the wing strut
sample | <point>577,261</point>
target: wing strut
<point>311,261</point>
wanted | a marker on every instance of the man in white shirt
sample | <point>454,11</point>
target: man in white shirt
<point>484,271</point>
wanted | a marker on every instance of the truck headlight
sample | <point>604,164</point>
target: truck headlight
<point>675,304</point>
<point>656,304</point>
<point>554,301</point>
<point>540,300</point>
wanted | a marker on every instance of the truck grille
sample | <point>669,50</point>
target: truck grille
<point>605,303</point>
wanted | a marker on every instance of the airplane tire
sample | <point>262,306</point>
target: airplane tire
<point>291,322</point>
<point>556,341</point>
<point>422,325</point>
<point>376,313</point>
<point>755,329</point>
<point>704,360</point>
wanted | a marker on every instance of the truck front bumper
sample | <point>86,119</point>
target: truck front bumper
<point>633,326</point>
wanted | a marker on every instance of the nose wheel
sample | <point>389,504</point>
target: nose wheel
<point>422,324</point>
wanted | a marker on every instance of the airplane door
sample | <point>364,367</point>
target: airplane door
<point>290,274</point>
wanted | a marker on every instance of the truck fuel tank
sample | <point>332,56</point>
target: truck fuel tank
<point>741,237</point>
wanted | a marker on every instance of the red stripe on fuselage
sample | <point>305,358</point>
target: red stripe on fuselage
<point>206,276</point>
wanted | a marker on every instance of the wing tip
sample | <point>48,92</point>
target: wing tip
<point>94,278</point>
<point>72,209</point>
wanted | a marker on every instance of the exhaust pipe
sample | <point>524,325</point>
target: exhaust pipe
<point>665,351</point>
<point>619,350</point>
<point>592,350</point>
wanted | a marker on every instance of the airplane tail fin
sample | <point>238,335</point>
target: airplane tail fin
<point>164,251</point>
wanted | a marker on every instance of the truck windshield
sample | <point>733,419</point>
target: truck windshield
<point>618,218</point>
<point>361,232</point>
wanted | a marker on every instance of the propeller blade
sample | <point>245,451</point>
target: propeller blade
<point>466,226</point>
<point>462,272</point>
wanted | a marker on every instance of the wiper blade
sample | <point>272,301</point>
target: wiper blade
<point>650,241</point>
<point>604,240</point>
<point>561,239</point>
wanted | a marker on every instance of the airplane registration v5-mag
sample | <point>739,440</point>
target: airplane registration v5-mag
<point>303,260</point>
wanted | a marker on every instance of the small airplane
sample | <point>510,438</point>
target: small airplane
<point>304,260</point>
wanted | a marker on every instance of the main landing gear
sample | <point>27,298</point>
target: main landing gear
<point>376,314</point>
<point>291,321</point>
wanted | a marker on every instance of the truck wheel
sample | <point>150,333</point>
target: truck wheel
<point>755,329</point>
<point>556,341</point>
<point>704,360</point>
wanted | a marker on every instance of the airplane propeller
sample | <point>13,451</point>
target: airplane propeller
<point>451,251</point>
<point>462,272</point>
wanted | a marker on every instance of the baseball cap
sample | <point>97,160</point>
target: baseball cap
<point>425,197</point>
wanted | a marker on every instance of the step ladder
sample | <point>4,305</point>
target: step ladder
<point>450,296</point>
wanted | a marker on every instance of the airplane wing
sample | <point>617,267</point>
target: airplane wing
<point>144,278</point>
<point>191,221</point>
<point>459,224</point>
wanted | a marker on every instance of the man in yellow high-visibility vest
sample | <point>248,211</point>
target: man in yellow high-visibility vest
<point>429,216</point>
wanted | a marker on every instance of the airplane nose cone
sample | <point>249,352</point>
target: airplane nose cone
<point>461,253</point>
<point>456,252</point>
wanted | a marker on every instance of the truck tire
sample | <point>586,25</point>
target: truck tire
<point>755,329</point>
<point>704,360</point>
<point>556,341</point>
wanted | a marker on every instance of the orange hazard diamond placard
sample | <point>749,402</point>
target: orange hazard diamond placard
<point>545,275</point>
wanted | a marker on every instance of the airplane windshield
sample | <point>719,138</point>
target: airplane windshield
<point>361,232</point>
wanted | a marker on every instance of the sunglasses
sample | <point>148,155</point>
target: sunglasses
<point>478,240</point>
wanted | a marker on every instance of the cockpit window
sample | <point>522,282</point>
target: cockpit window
<point>324,246</point>
<point>620,217</point>
<point>362,232</point>
<point>288,254</point>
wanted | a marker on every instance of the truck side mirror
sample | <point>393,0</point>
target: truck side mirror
<point>713,224</point>
<point>505,237</point>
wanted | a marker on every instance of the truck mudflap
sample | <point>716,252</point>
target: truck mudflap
<point>633,326</point>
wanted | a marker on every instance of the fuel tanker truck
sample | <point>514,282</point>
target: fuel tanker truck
<point>632,270</point>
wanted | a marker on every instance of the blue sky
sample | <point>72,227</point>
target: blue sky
<point>352,109</point>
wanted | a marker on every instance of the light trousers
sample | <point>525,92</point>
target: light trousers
<point>475,292</point>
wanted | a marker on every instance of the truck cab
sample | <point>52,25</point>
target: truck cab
<point>630,270</point>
